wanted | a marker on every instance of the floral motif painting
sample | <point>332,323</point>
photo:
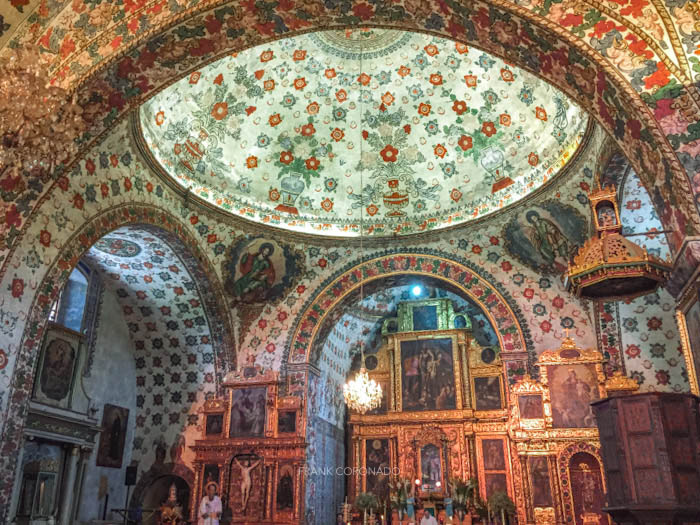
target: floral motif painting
<point>259,271</point>
<point>546,236</point>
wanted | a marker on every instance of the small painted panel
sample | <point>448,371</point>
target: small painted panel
<point>494,459</point>
<point>214,424</point>
<point>586,488</point>
<point>530,406</point>
<point>487,393</point>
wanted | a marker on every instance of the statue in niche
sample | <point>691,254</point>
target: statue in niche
<point>285,492</point>
<point>171,510</point>
<point>246,481</point>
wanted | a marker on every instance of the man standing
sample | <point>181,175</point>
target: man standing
<point>210,509</point>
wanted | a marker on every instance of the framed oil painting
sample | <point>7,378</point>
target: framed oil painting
<point>285,489</point>
<point>214,425</point>
<point>425,317</point>
<point>494,459</point>
<point>530,406</point>
<point>428,374</point>
<point>287,421</point>
<point>431,468</point>
<point>495,482</point>
<point>57,367</point>
<point>248,412</point>
<point>488,394</point>
<point>211,473</point>
<point>111,448</point>
<point>573,388</point>
<point>384,405</point>
<point>541,488</point>
<point>689,321</point>
<point>378,467</point>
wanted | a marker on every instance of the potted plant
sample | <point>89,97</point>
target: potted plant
<point>400,492</point>
<point>500,504</point>
<point>462,493</point>
<point>366,501</point>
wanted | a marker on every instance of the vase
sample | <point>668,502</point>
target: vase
<point>291,187</point>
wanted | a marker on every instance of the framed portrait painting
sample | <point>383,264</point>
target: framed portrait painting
<point>488,394</point>
<point>57,367</point>
<point>248,412</point>
<point>573,388</point>
<point>378,467</point>
<point>689,324</point>
<point>431,467</point>
<point>111,448</point>
<point>214,425</point>
<point>287,421</point>
<point>427,374</point>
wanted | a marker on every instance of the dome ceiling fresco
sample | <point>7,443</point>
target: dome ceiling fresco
<point>409,132</point>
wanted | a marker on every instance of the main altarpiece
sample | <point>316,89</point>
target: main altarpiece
<point>450,411</point>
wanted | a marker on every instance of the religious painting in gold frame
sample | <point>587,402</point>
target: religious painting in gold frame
<point>377,466</point>
<point>531,408</point>
<point>493,464</point>
<point>214,411</point>
<point>575,378</point>
<point>427,371</point>
<point>688,317</point>
<point>432,466</point>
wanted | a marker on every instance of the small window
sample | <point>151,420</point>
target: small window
<point>69,308</point>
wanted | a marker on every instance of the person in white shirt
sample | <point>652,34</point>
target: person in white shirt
<point>428,518</point>
<point>210,509</point>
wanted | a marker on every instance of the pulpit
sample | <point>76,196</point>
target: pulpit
<point>651,455</point>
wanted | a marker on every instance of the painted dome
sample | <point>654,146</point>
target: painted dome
<point>409,132</point>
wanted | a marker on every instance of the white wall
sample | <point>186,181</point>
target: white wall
<point>113,381</point>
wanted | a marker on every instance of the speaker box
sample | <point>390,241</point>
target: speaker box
<point>130,478</point>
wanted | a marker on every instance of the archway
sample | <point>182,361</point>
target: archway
<point>146,218</point>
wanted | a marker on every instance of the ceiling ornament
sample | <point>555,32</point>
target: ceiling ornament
<point>39,123</point>
<point>609,267</point>
<point>279,133</point>
<point>362,394</point>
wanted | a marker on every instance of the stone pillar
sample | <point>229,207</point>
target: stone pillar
<point>69,486</point>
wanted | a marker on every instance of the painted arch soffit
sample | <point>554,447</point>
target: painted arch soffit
<point>409,131</point>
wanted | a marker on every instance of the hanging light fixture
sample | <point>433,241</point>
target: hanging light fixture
<point>362,394</point>
<point>610,267</point>
<point>38,122</point>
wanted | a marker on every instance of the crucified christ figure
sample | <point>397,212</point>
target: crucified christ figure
<point>246,482</point>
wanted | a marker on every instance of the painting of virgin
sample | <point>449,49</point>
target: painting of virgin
<point>248,412</point>
<point>258,270</point>
<point>431,467</point>
<point>378,464</point>
<point>111,448</point>
<point>57,370</point>
<point>539,480</point>
<point>427,375</point>
<point>573,389</point>
<point>530,406</point>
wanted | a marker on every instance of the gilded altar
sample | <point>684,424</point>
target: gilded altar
<point>450,412</point>
<point>253,449</point>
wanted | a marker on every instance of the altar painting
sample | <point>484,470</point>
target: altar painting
<point>427,375</point>
<point>431,467</point>
<point>248,412</point>
<point>487,393</point>
<point>586,487</point>
<point>378,467</point>
<point>539,481</point>
<point>573,388</point>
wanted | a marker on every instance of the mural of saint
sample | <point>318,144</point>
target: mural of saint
<point>586,486</point>
<point>573,390</point>
<point>248,412</point>
<point>57,369</point>
<point>548,240</point>
<point>259,270</point>
<point>431,466</point>
<point>545,236</point>
<point>428,375</point>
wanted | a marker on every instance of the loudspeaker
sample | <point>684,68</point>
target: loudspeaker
<point>130,478</point>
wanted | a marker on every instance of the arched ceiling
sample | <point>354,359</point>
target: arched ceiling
<point>411,132</point>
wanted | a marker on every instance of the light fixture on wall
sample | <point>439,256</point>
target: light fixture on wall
<point>39,123</point>
<point>362,393</point>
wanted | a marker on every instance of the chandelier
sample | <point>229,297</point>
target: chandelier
<point>609,267</point>
<point>38,122</point>
<point>362,394</point>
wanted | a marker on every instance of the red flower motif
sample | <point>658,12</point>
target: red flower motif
<point>364,79</point>
<point>506,266</point>
<point>269,84</point>
<point>476,249</point>
<point>270,348</point>
<point>299,83</point>
<point>461,48</point>
<point>455,195</point>
<point>275,119</point>
<point>387,99</point>
<point>459,106</point>
<point>470,80</point>
<point>488,129</point>
<point>584,186</point>
<point>211,238</point>
<point>423,109</point>
<point>251,162</point>
<point>436,79</point>
<point>13,217</point>
<point>465,142</point>
<point>90,166</point>
<point>266,55</point>
<point>330,73</point>
<point>494,240</point>
<point>220,110</point>
<point>504,119</point>
<point>662,376</point>
<point>194,220</point>
<point>337,134</point>
<point>299,54</point>
<point>365,134</point>
<point>389,153</point>
<point>633,351</point>
<point>528,293</point>
<point>507,75</point>
<point>372,210</point>
<point>78,201</point>
<point>17,288</point>
<point>286,157</point>
<point>322,263</point>
<point>363,11</point>
<point>312,163</point>
<point>301,289</point>
<point>327,204</point>
<point>633,204</point>
<point>541,113</point>
<point>282,316</point>
<point>407,129</point>
<point>431,50</point>
<point>404,71</point>
<point>127,184</point>
<point>654,323</point>
<point>312,109</point>
<point>533,159</point>
<point>341,95</point>
<point>308,129</point>
<point>149,187</point>
<point>558,302</point>
<point>440,151</point>
<point>545,326</point>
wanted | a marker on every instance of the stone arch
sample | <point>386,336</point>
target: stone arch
<point>159,471</point>
<point>563,461</point>
<point>468,279</point>
<point>514,33</point>
<point>194,259</point>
